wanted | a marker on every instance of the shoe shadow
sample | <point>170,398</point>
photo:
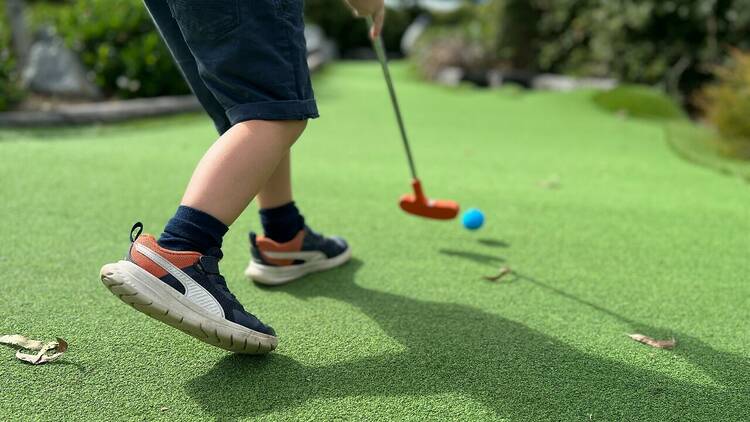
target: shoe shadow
<point>515,371</point>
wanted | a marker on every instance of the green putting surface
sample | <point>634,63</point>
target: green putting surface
<point>633,240</point>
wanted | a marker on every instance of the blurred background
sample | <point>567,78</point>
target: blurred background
<point>659,57</point>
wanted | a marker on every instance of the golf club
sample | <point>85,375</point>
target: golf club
<point>416,203</point>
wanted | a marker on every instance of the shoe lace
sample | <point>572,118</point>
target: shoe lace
<point>220,282</point>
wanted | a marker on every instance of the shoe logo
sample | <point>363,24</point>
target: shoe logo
<point>193,291</point>
<point>307,256</point>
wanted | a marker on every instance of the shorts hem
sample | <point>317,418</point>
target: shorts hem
<point>273,110</point>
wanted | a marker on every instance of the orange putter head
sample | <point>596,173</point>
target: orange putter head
<point>418,204</point>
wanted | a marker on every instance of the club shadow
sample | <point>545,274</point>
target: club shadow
<point>494,243</point>
<point>473,256</point>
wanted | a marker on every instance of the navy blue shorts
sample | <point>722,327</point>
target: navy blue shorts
<point>243,59</point>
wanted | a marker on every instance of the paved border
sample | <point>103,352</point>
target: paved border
<point>101,112</point>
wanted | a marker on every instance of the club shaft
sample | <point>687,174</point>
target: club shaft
<point>377,44</point>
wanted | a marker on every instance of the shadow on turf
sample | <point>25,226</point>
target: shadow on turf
<point>517,372</point>
<point>473,256</point>
<point>494,243</point>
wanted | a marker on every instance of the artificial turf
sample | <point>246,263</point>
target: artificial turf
<point>633,239</point>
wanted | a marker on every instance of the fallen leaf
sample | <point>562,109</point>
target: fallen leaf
<point>62,345</point>
<point>19,341</point>
<point>501,273</point>
<point>22,343</point>
<point>164,409</point>
<point>552,182</point>
<point>659,344</point>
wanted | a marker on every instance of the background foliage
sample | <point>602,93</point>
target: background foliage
<point>117,42</point>
<point>9,91</point>
<point>727,106</point>
<point>670,43</point>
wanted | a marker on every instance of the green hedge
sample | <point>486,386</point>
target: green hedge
<point>671,43</point>
<point>726,104</point>
<point>117,41</point>
<point>639,101</point>
<point>10,93</point>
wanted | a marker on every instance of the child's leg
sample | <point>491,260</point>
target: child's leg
<point>279,215</point>
<point>239,165</point>
<point>226,179</point>
<point>278,189</point>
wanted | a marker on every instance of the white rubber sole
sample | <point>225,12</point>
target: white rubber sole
<point>151,296</point>
<point>274,276</point>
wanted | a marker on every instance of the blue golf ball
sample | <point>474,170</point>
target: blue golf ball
<point>472,219</point>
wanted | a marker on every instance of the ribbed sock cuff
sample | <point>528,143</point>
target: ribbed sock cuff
<point>192,230</point>
<point>282,223</point>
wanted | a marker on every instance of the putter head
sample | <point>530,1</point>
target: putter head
<point>419,205</point>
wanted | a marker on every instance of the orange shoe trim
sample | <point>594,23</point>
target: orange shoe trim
<point>268,245</point>
<point>180,259</point>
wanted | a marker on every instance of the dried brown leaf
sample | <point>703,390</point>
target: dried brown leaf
<point>501,273</point>
<point>19,341</point>
<point>22,343</point>
<point>659,344</point>
<point>552,182</point>
<point>62,345</point>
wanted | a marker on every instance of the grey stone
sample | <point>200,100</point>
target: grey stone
<point>451,75</point>
<point>495,78</point>
<point>53,69</point>
<point>568,83</point>
<point>413,32</point>
<point>320,50</point>
<point>314,37</point>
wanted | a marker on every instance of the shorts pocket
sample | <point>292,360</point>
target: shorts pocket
<point>206,19</point>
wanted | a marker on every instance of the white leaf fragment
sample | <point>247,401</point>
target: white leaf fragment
<point>659,344</point>
<point>57,348</point>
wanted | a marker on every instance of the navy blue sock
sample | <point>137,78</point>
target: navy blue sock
<point>193,230</point>
<point>282,223</point>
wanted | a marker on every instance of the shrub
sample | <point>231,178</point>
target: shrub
<point>639,101</point>
<point>510,32</point>
<point>457,45</point>
<point>726,104</point>
<point>117,42</point>
<point>10,92</point>
<point>669,43</point>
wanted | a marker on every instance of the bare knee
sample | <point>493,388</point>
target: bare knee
<point>296,127</point>
<point>286,131</point>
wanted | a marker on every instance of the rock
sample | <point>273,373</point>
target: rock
<point>568,83</point>
<point>314,37</point>
<point>53,69</point>
<point>413,32</point>
<point>451,75</point>
<point>495,78</point>
<point>320,50</point>
<point>501,77</point>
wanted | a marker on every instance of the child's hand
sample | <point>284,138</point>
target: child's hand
<point>374,8</point>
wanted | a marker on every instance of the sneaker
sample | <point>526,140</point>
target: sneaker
<point>274,263</point>
<point>186,291</point>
